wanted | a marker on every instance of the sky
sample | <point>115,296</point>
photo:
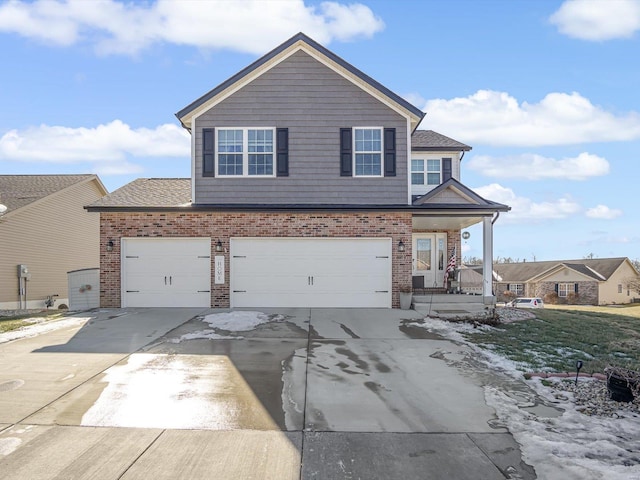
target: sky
<point>546,92</point>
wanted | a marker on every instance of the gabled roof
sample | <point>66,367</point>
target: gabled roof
<point>428,140</point>
<point>149,192</point>
<point>18,191</point>
<point>453,194</point>
<point>266,62</point>
<point>599,269</point>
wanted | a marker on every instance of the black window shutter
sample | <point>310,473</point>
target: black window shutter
<point>282,152</point>
<point>389,152</point>
<point>556,288</point>
<point>345,153</point>
<point>208,152</point>
<point>446,169</point>
<point>575,287</point>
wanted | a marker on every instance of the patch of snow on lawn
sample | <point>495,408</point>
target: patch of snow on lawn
<point>572,446</point>
<point>40,328</point>
<point>239,321</point>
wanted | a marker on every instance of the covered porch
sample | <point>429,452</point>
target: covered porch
<point>441,284</point>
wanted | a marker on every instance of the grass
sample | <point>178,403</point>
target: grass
<point>560,336</point>
<point>17,321</point>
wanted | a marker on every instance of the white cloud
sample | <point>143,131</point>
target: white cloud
<point>530,166</point>
<point>598,20</point>
<point>106,146</point>
<point>250,26</point>
<point>602,212</point>
<point>525,210</point>
<point>496,118</point>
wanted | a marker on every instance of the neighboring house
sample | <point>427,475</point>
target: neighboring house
<point>598,281</point>
<point>310,187</point>
<point>47,229</point>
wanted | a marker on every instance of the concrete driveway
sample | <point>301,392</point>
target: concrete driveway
<point>307,393</point>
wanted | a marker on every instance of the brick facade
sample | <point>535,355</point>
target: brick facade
<point>224,225</point>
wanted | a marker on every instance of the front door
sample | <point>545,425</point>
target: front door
<point>429,258</point>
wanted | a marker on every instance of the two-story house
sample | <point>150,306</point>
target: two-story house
<point>310,187</point>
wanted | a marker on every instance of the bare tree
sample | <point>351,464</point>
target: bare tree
<point>633,283</point>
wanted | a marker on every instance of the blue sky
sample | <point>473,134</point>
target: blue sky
<point>546,92</point>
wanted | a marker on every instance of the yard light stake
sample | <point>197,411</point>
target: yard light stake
<point>578,367</point>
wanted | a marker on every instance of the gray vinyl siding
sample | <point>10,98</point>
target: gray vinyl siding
<point>313,102</point>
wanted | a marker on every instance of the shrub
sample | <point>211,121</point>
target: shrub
<point>509,295</point>
<point>551,298</point>
<point>573,298</point>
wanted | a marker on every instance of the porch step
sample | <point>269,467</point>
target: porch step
<point>452,306</point>
<point>447,298</point>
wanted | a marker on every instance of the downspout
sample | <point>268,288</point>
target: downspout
<point>495,218</point>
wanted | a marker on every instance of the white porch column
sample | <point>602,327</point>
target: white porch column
<point>487,261</point>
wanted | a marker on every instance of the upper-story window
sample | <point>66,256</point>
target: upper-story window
<point>368,151</point>
<point>245,152</point>
<point>430,171</point>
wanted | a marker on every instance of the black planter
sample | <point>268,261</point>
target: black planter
<point>619,388</point>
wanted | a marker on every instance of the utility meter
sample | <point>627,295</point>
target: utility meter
<point>23,271</point>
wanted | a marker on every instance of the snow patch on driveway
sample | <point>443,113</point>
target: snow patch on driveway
<point>240,321</point>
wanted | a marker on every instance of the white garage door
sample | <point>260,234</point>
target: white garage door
<point>310,272</point>
<point>166,272</point>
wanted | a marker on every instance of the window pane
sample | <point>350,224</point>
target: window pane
<point>368,164</point>
<point>417,165</point>
<point>260,164</point>
<point>441,254</point>
<point>433,165</point>
<point>368,140</point>
<point>423,254</point>
<point>417,179</point>
<point>433,179</point>
<point>260,141</point>
<point>229,141</point>
<point>229,164</point>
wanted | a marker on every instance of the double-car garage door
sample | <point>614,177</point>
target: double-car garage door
<point>264,272</point>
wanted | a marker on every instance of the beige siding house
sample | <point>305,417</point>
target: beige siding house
<point>46,228</point>
<point>597,281</point>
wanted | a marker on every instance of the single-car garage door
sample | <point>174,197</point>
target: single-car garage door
<point>310,272</point>
<point>166,272</point>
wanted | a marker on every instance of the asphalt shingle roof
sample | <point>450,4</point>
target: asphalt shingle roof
<point>150,192</point>
<point>430,140</point>
<point>523,271</point>
<point>17,191</point>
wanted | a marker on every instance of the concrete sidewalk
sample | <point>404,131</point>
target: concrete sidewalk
<point>314,393</point>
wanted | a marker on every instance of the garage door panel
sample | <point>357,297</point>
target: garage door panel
<point>311,272</point>
<point>166,272</point>
<point>154,299</point>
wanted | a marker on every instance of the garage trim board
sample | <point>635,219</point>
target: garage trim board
<point>310,272</point>
<point>166,272</point>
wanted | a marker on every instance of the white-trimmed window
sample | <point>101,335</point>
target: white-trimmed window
<point>517,288</point>
<point>367,152</point>
<point>242,152</point>
<point>565,289</point>
<point>430,171</point>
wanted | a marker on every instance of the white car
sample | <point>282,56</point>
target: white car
<point>533,302</point>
